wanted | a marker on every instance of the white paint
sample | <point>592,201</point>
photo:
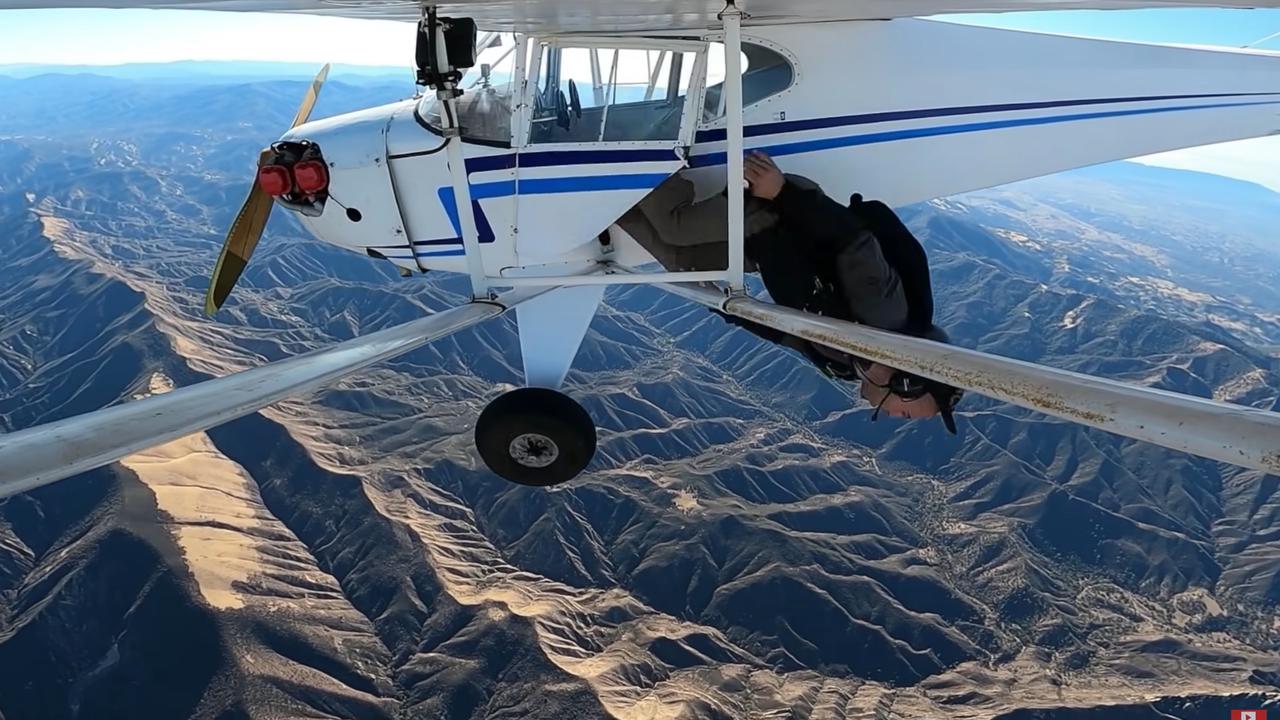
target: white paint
<point>551,330</point>
<point>355,146</point>
<point>732,96</point>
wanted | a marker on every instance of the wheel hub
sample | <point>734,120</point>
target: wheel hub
<point>534,450</point>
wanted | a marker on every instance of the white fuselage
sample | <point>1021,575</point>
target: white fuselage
<point>903,111</point>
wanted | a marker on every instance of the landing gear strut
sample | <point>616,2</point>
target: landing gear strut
<point>536,436</point>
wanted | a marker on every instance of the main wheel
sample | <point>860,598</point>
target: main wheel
<point>535,436</point>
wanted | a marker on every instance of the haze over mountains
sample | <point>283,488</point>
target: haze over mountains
<point>746,543</point>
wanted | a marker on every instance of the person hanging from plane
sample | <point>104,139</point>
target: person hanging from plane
<point>856,263</point>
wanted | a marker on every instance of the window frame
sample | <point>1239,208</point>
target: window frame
<point>722,121</point>
<point>542,47</point>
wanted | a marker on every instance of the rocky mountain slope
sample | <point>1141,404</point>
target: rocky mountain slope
<point>745,545</point>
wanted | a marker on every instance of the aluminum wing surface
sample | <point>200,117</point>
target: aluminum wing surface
<point>636,15</point>
<point>1233,434</point>
<point>45,454</point>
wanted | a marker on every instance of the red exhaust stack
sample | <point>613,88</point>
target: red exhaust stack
<point>311,176</point>
<point>274,180</point>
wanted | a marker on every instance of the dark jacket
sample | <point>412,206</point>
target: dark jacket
<point>820,238</point>
<point>823,257</point>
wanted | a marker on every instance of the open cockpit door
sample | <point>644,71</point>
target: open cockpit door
<point>605,120</point>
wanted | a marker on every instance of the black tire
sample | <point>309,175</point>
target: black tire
<point>536,437</point>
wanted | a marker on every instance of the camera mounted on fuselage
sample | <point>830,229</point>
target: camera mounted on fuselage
<point>459,45</point>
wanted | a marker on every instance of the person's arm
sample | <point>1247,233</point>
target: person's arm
<point>821,219</point>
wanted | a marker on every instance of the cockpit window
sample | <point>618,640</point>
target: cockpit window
<point>766,72</point>
<point>602,94</point>
<point>488,94</point>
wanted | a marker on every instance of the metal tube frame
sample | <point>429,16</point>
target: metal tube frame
<point>673,78</point>
<point>654,69</point>
<point>609,275</point>
<point>597,80</point>
<point>528,99</point>
<point>520,115</point>
<point>452,129</point>
<point>611,90</point>
<point>694,96</point>
<point>731,17</point>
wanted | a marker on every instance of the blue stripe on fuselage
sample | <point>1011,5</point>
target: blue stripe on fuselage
<point>778,128</point>
<point>806,146</point>
<point>565,158</point>
<point>532,186</point>
<point>423,253</point>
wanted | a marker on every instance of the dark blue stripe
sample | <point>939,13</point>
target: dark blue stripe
<point>562,158</point>
<point>550,186</point>
<point>536,186</point>
<point>490,162</point>
<point>484,191</point>
<point>913,133</point>
<point>593,183</point>
<point>846,120</point>
<point>433,253</point>
<point>484,231</point>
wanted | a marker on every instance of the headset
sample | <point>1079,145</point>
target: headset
<point>909,387</point>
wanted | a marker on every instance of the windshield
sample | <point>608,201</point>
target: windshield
<point>593,94</point>
<point>484,110</point>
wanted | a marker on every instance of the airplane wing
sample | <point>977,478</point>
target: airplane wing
<point>48,453</point>
<point>593,15</point>
<point>1234,434</point>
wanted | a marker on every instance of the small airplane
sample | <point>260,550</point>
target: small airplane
<point>538,136</point>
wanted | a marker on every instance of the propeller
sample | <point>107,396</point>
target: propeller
<point>247,228</point>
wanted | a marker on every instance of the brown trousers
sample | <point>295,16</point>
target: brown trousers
<point>684,235</point>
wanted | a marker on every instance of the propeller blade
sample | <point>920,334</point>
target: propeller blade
<point>308,102</point>
<point>242,238</point>
<point>247,228</point>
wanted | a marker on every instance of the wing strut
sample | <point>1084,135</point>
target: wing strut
<point>452,128</point>
<point>1233,434</point>
<point>48,453</point>
<point>732,90</point>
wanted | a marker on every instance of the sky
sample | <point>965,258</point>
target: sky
<point>108,37</point>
